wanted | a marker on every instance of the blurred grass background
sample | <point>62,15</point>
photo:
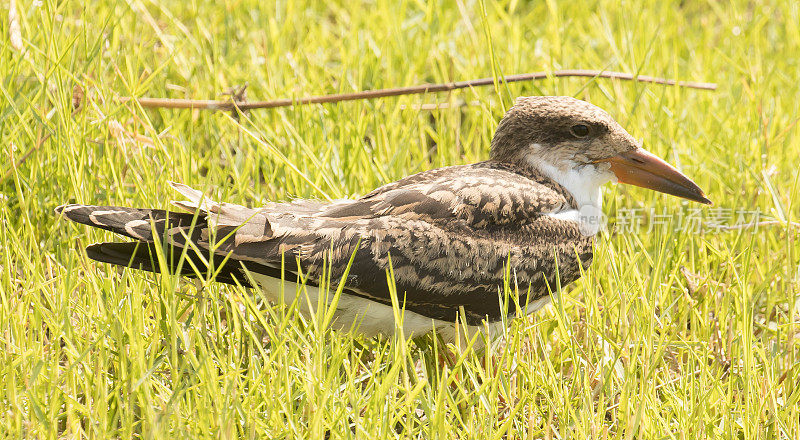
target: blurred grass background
<point>677,332</point>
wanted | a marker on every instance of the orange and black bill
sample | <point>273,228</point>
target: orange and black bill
<point>641,168</point>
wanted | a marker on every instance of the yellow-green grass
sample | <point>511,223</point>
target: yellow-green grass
<point>675,333</point>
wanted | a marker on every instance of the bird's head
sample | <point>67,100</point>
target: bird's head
<point>581,147</point>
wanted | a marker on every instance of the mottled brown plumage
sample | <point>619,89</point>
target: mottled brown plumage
<point>451,234</point>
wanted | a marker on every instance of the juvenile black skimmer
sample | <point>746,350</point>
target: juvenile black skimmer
<point>452,233</point>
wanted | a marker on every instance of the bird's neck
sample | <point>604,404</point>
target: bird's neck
<point>583,182</point>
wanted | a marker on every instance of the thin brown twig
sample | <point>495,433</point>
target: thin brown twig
<point>207,104</point>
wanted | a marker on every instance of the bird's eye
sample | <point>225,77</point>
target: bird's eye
<point>580,130</point>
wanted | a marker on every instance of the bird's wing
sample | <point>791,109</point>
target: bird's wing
<point>452,233</point>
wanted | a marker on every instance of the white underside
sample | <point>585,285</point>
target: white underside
<point>360,315</point>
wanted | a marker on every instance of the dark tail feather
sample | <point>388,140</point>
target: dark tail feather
<point>136,223</point>
<point>149,227</point>
<point>140,255</point>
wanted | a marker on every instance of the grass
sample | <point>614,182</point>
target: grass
<point>677,331</point>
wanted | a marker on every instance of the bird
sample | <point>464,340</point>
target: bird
<point>479,243</point>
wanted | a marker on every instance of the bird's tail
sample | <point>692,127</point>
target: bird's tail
<point>164,240</point>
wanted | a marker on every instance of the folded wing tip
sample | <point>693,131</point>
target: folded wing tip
<point>177,186</point>
<point>186,191</point>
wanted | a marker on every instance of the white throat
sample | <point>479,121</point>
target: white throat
<point>583,182</point>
